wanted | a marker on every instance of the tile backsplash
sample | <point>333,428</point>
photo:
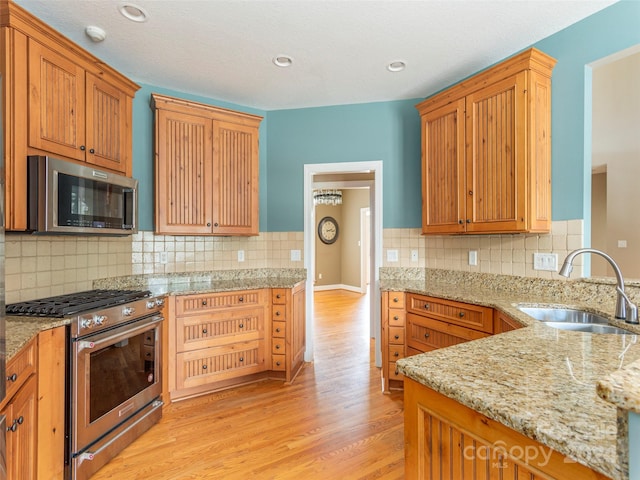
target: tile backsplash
<point>41,266</point>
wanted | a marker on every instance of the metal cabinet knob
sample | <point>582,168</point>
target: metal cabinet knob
<point>277,347</point>
<point>83,148</point>
<point>426,306</point>
<point>92,151</point>
<point>241,299</point>
<point>12,378</point>
<point>461,314</point>
<point>208,224</point>
<point>241,325</point>
<point>396,299</point>
<point>278,296</point>
<point>241,359</point>
<point>426,335</point>
<point>278,330</point>
<point>396,354</point>
<point>396,317</point>
<point>204,331</point>
<point>204,302</point>
<point>204,367</point>
<point>397,337</point>
<point>277,364</point>
<point>277,313</point>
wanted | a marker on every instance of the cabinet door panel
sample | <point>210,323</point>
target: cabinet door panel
<point>443,190</point>
<point>235,173</point>
<point>56,103</point>
<point>183,170</point>
<point>21,433</point>
<point>107,126</point>
<point>496,155</point>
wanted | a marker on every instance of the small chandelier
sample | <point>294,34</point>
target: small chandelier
<point>327,197</point>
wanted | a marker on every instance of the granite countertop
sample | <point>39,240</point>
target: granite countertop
<point>538,380</point>
<point>20,330</point>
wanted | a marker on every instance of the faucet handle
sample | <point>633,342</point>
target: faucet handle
<point>631,309</point>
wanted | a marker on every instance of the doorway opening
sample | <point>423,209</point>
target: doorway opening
<point>352,175</point>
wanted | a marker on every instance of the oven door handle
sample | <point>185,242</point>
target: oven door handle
<point>126,331</point>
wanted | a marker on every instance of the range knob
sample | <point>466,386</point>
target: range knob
<point>86,323</point>
<point>128,311</point>
<point>151,304</point>
<point>99,319</point>
<point>159,302</point>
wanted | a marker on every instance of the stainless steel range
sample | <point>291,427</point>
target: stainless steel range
<point>113,370</point>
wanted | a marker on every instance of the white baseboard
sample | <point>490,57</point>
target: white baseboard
<point>339,286</point>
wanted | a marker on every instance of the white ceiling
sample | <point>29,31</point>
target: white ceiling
<point>223,49</point>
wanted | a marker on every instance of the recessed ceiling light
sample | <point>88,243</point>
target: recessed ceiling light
<point>283,60</point>
<point>95,33</point>
<point>396,66</point>
<point>133,12</point>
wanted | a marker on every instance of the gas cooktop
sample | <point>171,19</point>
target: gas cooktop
<point>72,303</point>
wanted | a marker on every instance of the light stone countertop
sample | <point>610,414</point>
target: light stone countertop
<point>538,380</point>
<point>20,330</point>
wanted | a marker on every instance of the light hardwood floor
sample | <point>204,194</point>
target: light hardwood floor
<point>332,423</point>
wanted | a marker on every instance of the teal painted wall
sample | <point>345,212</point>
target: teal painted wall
<point>390,132</point>
<point>600,35</point>
<point>387,131</point>
<point>143,163</point>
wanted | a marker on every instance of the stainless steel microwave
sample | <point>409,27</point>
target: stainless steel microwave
<point>66,197</point>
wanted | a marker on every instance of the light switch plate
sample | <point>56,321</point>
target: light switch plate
<point>241,255</point>
<point>295,256</point>
<point>473,257</point>
<point>392,255</point>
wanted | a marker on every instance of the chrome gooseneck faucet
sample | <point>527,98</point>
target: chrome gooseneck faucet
<point>625,309</point>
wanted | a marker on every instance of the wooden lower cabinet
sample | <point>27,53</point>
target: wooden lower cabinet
<point>220,340</point>
<point>393,338</point>
<point>20,409</point>
<point>504,323</point>
<point>447,440</point>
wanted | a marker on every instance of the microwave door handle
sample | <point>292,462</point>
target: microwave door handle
<point>120,334</point>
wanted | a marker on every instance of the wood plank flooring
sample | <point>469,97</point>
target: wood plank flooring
<point>332,423</point>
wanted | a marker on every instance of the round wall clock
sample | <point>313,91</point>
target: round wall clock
<point>328,230</point>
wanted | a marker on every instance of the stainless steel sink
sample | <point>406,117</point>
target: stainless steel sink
<point>572,319</point>
<point>565,315</point>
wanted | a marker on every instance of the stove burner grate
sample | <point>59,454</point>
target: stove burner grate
<point>72,303</point>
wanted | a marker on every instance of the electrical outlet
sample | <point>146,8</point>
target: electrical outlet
<point>545,261</point>
<point>163,258</point>
<point>241,255</point>
<point>414,255</point>
<point>473,257</point>
<point>295,256</point>
<point>392,255</point>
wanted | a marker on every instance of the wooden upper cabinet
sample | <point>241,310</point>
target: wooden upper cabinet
<point>58,100</point>
<point>443,182</point>
<point>183,185</point>
<point>56,103</point>
<point>108,125</point>
<point>206,169</point>
<point>486,151</point>
<point>235,175</point>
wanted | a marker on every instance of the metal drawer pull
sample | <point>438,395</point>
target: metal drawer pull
<point>204,367</point>
<point>241,325</point>
<point>278,296</point>
<point>241,299</point>
<point>461,314</point>
<point>278,330</point>
<point>396,318</point>
<point>396,299</point>
<point>204,302</point>
<point>12,378</point>
<point>397,337</point>
<point>277,364</point>
<point>241,359</point>
<point>396,354</point>
<point>204,331</point>
<point>277,347</point>
<point>426,306</point>
<point>277,313</point>
<point>426,335</point>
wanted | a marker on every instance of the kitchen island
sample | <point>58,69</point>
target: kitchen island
<point>538,381</point>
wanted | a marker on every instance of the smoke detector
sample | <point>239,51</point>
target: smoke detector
<point>95,33</point>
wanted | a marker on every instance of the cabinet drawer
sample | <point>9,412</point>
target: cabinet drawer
<point>396,300</point>
<point>279,312</point>
<point>277,347</point>
<point>396,352</point>
<point>396,335</point>
<point>279,296</point>
<point>278,362</point>
<point>394,374</point>
<point>209,365</point>
<point>397,318</point>
<point>188,304</point>
<point>463,314</point>
<point>200,331</point>
<point>20,368</point>
<point>278,329</point>
<point>425,334</point>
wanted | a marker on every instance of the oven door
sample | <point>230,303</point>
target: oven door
<point>114,374</point>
